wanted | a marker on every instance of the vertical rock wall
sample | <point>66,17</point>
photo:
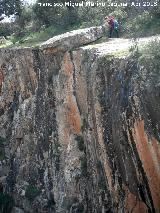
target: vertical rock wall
<point>120,150</point>
<point>76,132</point>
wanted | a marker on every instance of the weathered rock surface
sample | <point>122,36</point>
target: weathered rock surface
<point>73,39</point>
<point>77,132</point>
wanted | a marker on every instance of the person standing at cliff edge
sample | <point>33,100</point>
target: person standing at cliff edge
<point>113,26</point>
<point>116,28</point>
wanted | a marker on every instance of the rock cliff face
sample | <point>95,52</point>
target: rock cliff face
<point>77,131</point>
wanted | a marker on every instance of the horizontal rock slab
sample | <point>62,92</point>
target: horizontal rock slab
<point>117,45</point>
<point>73,39</point>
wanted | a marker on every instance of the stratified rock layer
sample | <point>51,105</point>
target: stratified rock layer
<point>77,134</point>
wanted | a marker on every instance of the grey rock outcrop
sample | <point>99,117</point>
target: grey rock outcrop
<point>73,39</point>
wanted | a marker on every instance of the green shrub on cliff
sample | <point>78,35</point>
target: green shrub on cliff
<point>84,171</point>
<point>143,24</point>
<point>80,142</point>
<point>152,49</point>
<point>32,192</point>
<point>2,150</point>
<point>2,140</point>
<point>150,60</point>
<point>68,202</point>
<point>6,203</point>
<point>2,154</point>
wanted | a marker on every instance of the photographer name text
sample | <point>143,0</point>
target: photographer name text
<point>98,4</point>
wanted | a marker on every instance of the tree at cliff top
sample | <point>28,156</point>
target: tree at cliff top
<point>55,15</point>
<point>64,12</point>
<point>156,10</point>
<point>10,7</point>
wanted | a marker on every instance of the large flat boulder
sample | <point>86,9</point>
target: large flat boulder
<point>73,39</point>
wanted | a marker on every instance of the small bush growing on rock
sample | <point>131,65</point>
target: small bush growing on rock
<point>84,125</point>
<point>84,166</point>
<point>80,208</point>
<point>2,140</point>
<point>5,29</point>
<point>99,164</point>
<point>68,202</point>
<point>148,73</point>
<point>102,183</point>
<point>32,192</point>
<point>56,155</point>
<point>77,208</point>
<point>2,154</point>
<point>80,142</point>
<point>2,151</point>
<point>6,203</point>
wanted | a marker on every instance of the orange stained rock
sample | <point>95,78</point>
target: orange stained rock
<point>73,115</point>
<point>156,152</point>
<point>51,50</point>
<point>132,204</point>
<point>65,136</point>
<point>78,58</point>
<point>108,173</point>
<point>149,152</point>
<point>67,64</point>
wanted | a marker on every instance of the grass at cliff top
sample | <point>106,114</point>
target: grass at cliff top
<point>33,39</point>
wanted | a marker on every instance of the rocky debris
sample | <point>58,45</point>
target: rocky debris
<point>77,134</point>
